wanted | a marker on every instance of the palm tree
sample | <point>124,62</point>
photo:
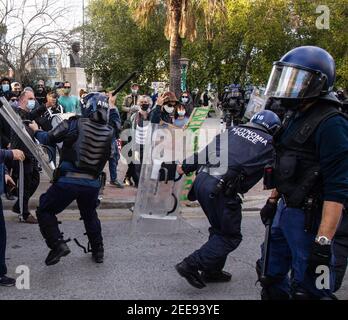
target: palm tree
<point>181,23</point>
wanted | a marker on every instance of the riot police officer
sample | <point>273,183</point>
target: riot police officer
<point>217,188</point>
<point>310,176</point>
<point>232,105</point>
<point>86,148</point>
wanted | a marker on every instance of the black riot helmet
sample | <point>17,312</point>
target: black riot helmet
<point>302,74</point>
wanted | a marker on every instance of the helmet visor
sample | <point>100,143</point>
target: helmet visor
<point>291,82</point>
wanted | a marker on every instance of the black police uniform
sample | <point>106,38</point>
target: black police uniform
<point>311,167</point>
<point>249,150</point>
<point>86,148</point>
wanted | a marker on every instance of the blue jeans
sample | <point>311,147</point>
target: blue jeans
<point>3,269</point>
<point>224,215</point>
<point>289,249</point>
<point>113,161</point>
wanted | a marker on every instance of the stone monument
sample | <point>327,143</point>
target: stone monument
<point>76,73</point>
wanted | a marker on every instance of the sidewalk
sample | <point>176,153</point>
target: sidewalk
<point>115,198</point>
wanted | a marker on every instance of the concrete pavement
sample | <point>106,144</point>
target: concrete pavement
<point>137,266</point>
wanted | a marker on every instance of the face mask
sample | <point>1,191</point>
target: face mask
<point>31,104</point>
<point>144,107</point>
<point>67,90</point>
<point>168,109</point>
<point>14,104</point>
<point>5,87</point>
<point>134,91</point>
<point>181,113</point>
<point>184,99</point>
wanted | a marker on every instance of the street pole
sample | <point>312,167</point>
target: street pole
<point>83,28</point>
<point>184,62</point>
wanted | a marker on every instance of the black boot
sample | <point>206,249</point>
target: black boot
<point>59,249</point>
<point>218,276</point>
<point>190,274</point>
<point>98,253</point>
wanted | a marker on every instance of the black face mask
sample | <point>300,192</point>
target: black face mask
<point>16,93</point>
<point>144,107</point>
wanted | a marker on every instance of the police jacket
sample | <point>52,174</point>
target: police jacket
<point>248,151</point>
<point>312,155</point>
<point>86,144</point>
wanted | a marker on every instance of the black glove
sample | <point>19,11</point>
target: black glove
<point>319,256</point>
<point>268,212</point>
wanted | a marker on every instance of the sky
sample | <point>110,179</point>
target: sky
<point>74,14</point>
<point>72,19</point>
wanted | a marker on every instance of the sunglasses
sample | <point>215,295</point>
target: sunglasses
<point>66,87</point>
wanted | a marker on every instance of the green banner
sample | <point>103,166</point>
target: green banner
<point>197,118</point>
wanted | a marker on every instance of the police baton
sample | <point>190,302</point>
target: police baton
<point>265,254</point>
<point>123,83</point>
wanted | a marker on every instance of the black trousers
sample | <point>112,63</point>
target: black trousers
<point>225,216</point>
<point>31,183</point>
<point>58,196</point>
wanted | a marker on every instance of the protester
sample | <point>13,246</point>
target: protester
<point>40,92</point>
<point>52,107</point>
<point>164,110</point>
<point>180,116</point>
<point>187,101</point>
<point>16,89</point>
<point>69,102</point>
<point>5,87</point>
<point>26,111</point>
<point>129,106</point>
<point>140,121</point>
<point>115,123</point>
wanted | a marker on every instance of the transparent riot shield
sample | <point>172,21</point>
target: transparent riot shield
<point>41,153</point>
<point>256,103</point>
<point>157,202</point>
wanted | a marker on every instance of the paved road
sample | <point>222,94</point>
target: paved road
<point>137,266</point>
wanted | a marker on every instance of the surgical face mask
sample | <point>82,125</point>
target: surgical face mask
<point>181,113</point>
<point>134,91</point>
<point>14,103</point>
<point>5,87</point>
<point>67,90</point>
<point>184,99</point>
<point>31,104</point>
<point>168,109</point>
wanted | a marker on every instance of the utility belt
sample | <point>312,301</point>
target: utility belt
<point>312,207</point>
<point>302,196</point>
<point>214,172</point>
<point>229,185</point>
<point>57,173</point>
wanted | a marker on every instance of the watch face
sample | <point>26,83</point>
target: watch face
<point>323,240</point>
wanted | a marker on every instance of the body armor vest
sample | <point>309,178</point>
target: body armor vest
<point>297,170</point>
<point>91,150</point>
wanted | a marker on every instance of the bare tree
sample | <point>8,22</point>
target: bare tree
<point>29,27</point>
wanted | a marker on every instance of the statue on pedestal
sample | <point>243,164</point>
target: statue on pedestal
<point>74,55</point>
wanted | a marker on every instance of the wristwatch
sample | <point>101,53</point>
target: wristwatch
<point>322,240</point>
